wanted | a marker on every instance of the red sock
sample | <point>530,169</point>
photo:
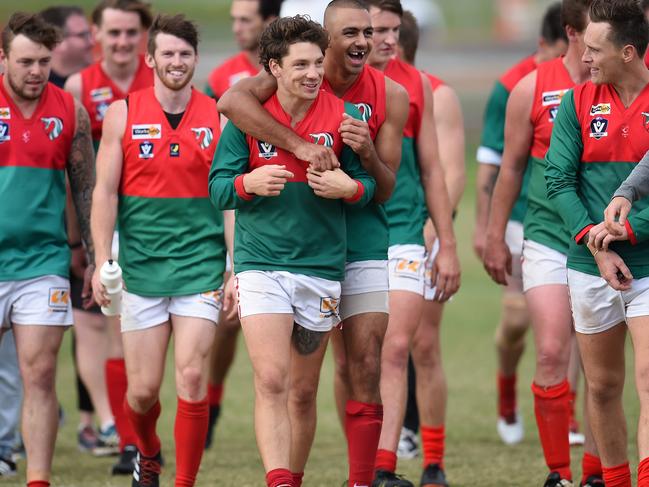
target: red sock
<point>590,465</point>
<point>280,477</point>
<point>643,473</point>
<point>507,396</point>
<point>432,441</point>
<point>297,478</point>
<point>363,428</point>
<point>552,416</point>
<point>619,476</point>
<point>116,384</point>
<point>190,432</point>
<point>38,483</point>
<point>573,425</point>
<point>386,460</point>
<point>144,426</point>
<point>215,394</point>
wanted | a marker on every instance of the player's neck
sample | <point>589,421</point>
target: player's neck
<point>123,73</point>
<point>339,79</point>
<point>26,107</point>
<point>631,83</point>
<point>295,107</point>
<point>172,101</point>
<point>578,71</point>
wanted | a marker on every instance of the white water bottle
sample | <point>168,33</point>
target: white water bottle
<point>110,276</point>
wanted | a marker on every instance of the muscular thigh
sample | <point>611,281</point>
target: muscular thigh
<point>193,338</point>
<point>363,334</point>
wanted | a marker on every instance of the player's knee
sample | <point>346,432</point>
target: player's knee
<point>395,352</point>
<point>514,322</point>
<point>426,354</point>
<point>302,397</point>
<point>365,371</point>
<point>190,379</point>
<point>270,383</point>
<point>604,390</point>
<point>143,393</point>
<point>39,375</point>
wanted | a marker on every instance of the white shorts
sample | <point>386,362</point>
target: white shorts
<point>514,237</point>
<point>406,268</point>
<point>542,266</point>
<point>429,288</point>
<point>42,300</point>
<point>597,307</point>
<point>313,301</point>
<point>142,312</point>
<point>366,276</point>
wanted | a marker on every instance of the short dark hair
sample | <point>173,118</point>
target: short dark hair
<point>573,14</point>
<point>359,4</point>
<point>551,29</point>
<point>136,6</point>
<point>175,25</point>
<point>59,15</point>
<point>270,8</point>
<point>409,36</point>
<point>281,33</point>
<point>393,6</point>
<point>628,23</point>
<point>31,26</point>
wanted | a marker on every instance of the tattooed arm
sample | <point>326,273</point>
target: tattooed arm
<point>81,172</point>
<point>306,341</point>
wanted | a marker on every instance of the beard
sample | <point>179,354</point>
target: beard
<point>174,84</point>
<point>23,91</point>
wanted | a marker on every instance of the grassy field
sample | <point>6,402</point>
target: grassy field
<point>475,456</point>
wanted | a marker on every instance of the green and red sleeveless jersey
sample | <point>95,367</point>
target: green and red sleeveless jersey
<point>542,224</point>
<point>492,143</point>
<point>34,153</point>
<point>228,73</point>
<point>367,227</point>
<point>98,91</point>
<point>296,231</point>
<point>404,207</point>
<point>596,143</point>
<point>170,236</point>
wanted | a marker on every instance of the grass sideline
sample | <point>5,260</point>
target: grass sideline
<point>475,455</point>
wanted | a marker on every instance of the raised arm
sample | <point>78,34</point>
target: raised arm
<point>519,132</point>
<point>243,105</point>
<point>105,196</point>
<point>447,266</point>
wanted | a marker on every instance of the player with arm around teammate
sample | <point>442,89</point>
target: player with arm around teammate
<point>152,171</point>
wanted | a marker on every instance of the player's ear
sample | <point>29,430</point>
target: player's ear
<point>148,59</point>
<point>275,68</point>
<point>629,53</point>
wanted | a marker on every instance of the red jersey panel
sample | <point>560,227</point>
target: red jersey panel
<point>98,91</point>
<point>228,73</point>
<point>162,162</point>
<point>319,125</point>
<point>612,132</point>
<point>435,82</point>
<point>518,72</point>
<point>368,95</point>
<point>552,82</point>
<point>410,78</point>
<point>44,139</point>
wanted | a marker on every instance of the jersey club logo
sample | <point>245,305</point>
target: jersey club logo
<point>323,138</point>
<point>204,135</point>
<point>53,127</point>
<point>4,132</point>
<point>146,150</point>
<point>553,114</point>
<point>266,150</point>
<point>365,109</point>
<point>598,128</point>
<point>329,307</point>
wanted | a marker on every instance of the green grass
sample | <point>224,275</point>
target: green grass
<point>475,456</point>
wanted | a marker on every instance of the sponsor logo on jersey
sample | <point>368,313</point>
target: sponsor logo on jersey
<point>323,138</point>
<point>329,307</point>
<point>366,111</point>
<point>146,131</point>
<point>549,98</point>
<point>645,120</point>
<point>53,127</point>
<point>146,150</point>
<point>59,299</point>
<point>553,113</point>
<point>4,132</point>
<point>104,94</point>
<point>204,135</point>
<point>101,111</point>
<point>598,128</point>
<point>600,109</point>
<point>5,113</point>
<point>266,150</point>
<point>174,149</point>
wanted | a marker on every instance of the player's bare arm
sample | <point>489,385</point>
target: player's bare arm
<point>105,196</point>
<point>382,157</point>
<point>242,104</point>
<point>518,140</point>
<point>73,86</point>
<point>446,270</point>
<point>486,178</point>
